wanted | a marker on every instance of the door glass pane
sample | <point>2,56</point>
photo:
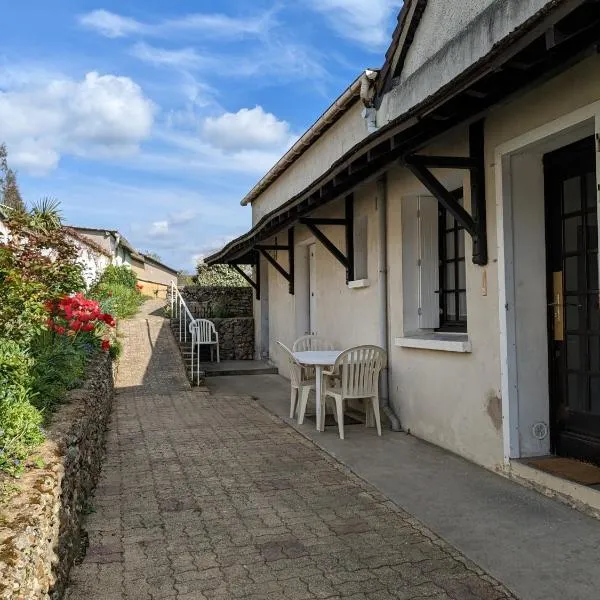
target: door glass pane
<point>572,317</point>
<point>592,237</point>
<point>450,222</point>
<point>573,230</point>
<point>572,195</point>
<point>573,361</point>
<point>592,272</point>
<point>571,274</point>
<point>594,354</point>
<point>590,189</point>
<point>450,276</point>
<point>593,313</point>
<point>573,390</point>
<point>595,395</point>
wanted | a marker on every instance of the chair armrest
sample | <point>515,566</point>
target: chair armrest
<point>329,373</point>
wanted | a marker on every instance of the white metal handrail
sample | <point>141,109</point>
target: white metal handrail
<point>180,311</point>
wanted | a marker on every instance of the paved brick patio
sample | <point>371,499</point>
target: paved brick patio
<point>207,497</point>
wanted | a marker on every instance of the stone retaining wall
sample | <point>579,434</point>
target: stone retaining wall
<point>40,527</point>
<point>219,302</point>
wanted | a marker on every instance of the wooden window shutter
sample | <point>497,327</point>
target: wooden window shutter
<point>428,263</point>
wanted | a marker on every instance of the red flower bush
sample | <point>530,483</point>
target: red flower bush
<point>105,345</point>
<point>74,314</point>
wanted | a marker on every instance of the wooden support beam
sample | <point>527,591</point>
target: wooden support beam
<point>328,244</point>
<point>271,247</point>
<point>444,162</point>
<point>478,196</point>
<point>291,259</point>
<point>275,264</point>
<point>307,220</point>
<point>349,237</point>
<point>442,195</point>
<point>254,284</point>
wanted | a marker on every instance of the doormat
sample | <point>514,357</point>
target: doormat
<point>568,468</point>
<point>331,422</point>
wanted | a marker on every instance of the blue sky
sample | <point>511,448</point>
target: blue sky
<point>156,118</point>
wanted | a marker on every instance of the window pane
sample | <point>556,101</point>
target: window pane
<point>462,275</point>
<point>462,309</point>
<point>451,307</point>
<point>450,222</point>
<point>450,245</point>
<point>573,241</point>
<point>449,280</point>
<point>461,244</point>
<point>572,195</point>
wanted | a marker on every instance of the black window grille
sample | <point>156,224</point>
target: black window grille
<point>452,286</point>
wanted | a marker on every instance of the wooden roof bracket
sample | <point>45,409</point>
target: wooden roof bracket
<point>347,260</point>
<point>256,263</point>
<point>289,248</point>
<point>474,223</point>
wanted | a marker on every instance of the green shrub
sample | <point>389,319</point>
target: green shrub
<point>58,366</point>
<point>122,275</point>
<point>119,300</point>
<point>219,276</point>
<point>19,420</point>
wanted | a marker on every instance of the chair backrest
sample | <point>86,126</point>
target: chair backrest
<point>295,368</point>
<point>359,369</point>
<point>312,342</point>
<point>203,331</point>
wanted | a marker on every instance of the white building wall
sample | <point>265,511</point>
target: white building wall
<point>451,37</point>
<point>453,399</point>
<point>341,137</point>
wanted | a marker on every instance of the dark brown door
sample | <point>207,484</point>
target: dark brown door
<point>573,295</point>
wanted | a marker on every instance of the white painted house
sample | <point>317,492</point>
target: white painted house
<point>446,209</point>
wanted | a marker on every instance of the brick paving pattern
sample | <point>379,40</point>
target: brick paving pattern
<point>208,497</point>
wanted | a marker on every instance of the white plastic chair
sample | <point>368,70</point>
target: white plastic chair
<point>312,342</point>
<point>356,373</point>
<point>300,385</point>
<point>203,333</point>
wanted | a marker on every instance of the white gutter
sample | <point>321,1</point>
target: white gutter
<point>360,88</point>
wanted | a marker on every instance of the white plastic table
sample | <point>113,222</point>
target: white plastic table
<point>318,359</point>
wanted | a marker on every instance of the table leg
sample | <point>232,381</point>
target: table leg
<point>319,383</point>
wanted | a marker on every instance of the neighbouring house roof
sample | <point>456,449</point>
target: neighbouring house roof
<point>340,107</point>
<point>160,264</point>
<point>479,87</point>
<point>115,233</point>
<point>87,241</point>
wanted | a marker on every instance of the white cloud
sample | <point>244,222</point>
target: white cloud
<point>247,129</point>
<point>184,58</point>
<point>362,21</point>
<point>112,25</point>
<point>100,115</point>
<point>159,228</point>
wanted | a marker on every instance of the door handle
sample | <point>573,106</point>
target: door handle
<point>553,304</point>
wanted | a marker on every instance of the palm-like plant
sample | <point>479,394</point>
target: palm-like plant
<point>45,215</point>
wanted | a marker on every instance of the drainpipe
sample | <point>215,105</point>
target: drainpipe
<point>383,301</point>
